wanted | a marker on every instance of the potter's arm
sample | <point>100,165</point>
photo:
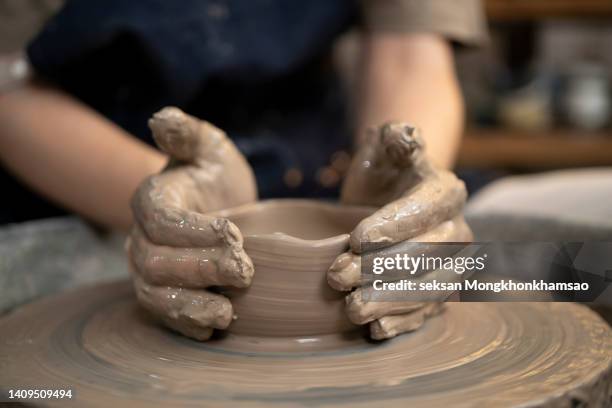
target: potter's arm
<point>72,155</point>
<point>411,77</point>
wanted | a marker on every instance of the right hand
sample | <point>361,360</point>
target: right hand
<point>175,250</point>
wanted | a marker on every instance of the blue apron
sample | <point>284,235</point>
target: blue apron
<point>259,69</point>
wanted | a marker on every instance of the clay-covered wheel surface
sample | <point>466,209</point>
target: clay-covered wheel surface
<point>97,342</point>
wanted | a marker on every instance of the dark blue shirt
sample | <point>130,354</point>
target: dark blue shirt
<point>259,69</point>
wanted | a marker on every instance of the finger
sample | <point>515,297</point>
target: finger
<point>390,326</point>
<point>194,313</point>
<point>431,202</point>
<point>454,230</point>
<point>391,159</point>
<point>362,312</point>
<point>160,208</point>
<point>345,272</point>
<point>366,304</point>
<point>184,137</point>
<point>400,144</point>
<point>190,267</point>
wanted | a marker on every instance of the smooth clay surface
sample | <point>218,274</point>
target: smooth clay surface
<point>292,243</point>
<point>99,343</point>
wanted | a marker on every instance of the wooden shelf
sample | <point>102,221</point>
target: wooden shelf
<point>507,10</point>
<point>496,149</point>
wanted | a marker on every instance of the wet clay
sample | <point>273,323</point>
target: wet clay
<point>292,243</point>
<point>103,346</point>
<point>194,269</point>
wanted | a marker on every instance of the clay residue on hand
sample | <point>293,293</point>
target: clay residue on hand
<point>418,202</point>
<point>176,250</point>
<point>183,243</point>
<point>345,273</point>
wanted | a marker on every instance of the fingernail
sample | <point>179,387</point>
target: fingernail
<point>232,233</point>
<point>372,235</point>
<point>229,231</point>
<point>340,263</point>
<point>355,242</point>
<point>237,269</point>
<point>247,269</point>
<point>335,281</point>
<point>345,279</point>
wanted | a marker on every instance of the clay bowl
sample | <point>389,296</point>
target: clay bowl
<point>292,244</point>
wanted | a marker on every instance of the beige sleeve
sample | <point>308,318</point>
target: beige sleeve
<point>461,21</point>
<point>20,20</point>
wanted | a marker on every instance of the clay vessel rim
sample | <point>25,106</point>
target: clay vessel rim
<point>298,204</point>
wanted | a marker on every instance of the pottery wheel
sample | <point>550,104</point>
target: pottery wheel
<point>98,342</point>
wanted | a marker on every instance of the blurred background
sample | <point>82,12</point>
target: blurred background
<point>539,97</point>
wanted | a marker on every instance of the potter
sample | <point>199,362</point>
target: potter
<point>198,226</point>
<point>278,347</point>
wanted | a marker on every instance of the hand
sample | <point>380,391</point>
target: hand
<point>419,204</point>
<point>175,250</point>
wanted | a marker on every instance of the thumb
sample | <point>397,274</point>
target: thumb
<point>182,136</point>
<point>400,145</point>
<point>391,160</point>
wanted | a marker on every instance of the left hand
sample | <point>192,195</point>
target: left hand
<point>419,203</point>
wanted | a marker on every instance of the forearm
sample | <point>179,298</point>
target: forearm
<point>72,155</point>
<point>410,77</point>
